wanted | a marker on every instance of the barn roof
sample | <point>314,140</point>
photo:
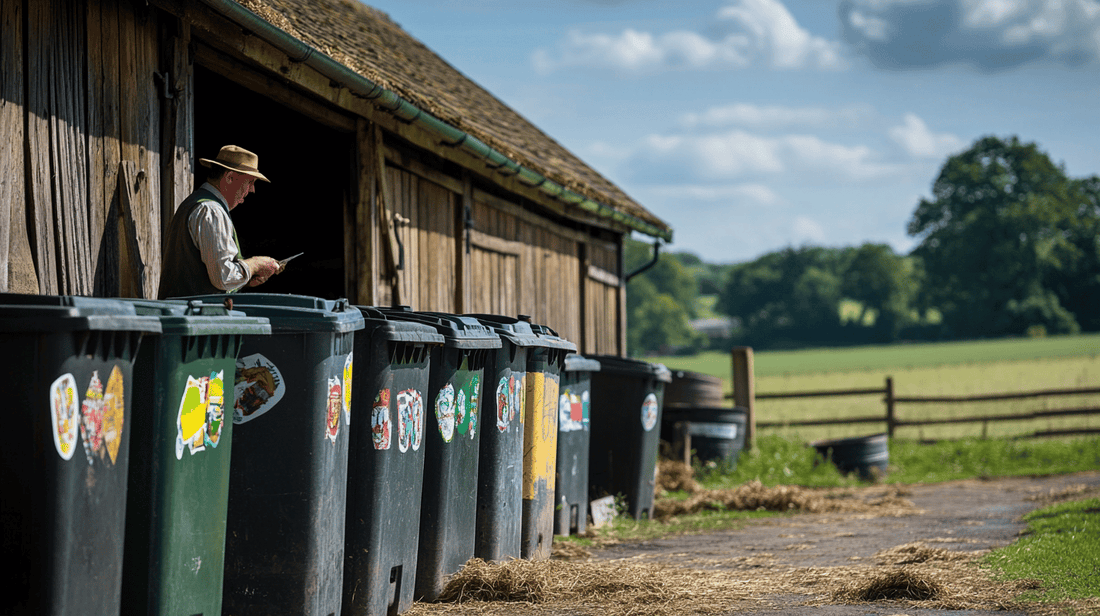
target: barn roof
<point>369,44</point>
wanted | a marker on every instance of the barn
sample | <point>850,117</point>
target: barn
<point>402,181</point>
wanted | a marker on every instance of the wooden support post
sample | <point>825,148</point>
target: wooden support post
<point>744,390</point>
<point>890,419</point>
<point>683,440</point>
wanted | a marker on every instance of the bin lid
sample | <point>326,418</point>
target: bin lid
<point>51,313</point>
<point>580,363</point>
<point>459,332</point>
<point>378,323</point>
<point>294,313</point>
<point>532,334</point>
<point>633,367</point>
<point>198,318</point>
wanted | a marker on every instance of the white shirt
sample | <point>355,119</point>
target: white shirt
<point>212,231</point>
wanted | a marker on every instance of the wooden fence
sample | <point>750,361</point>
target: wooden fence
<point>893,421</point>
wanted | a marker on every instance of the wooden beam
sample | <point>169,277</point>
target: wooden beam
<point>463,242</point>
<point>386,222</point>
<point>17,273</point>
<point>365,217</point>
<point>744,389</point>
<point>178,118</point>
<point>129,182</point>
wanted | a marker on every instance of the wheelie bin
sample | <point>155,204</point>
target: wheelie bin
<point>284,547</point>
<point>574,436</point>
<point>500,468</point>
<point>386,464</point>
<point>63,477</point>
<point>626,420</point>
<point>179,474</point>
<point>448,510</point>
<point>540,434</point>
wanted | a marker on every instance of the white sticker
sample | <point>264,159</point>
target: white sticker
<point>649,412</point>
<point>445,412</point>
<point>64,410</point>
<point>259,387</point>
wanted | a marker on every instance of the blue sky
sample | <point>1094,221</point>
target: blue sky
<point>753,125</point>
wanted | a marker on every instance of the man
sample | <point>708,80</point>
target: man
<point>201,254</point>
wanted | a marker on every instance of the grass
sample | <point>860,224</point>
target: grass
<point>891,357</point>
<point>1061,548</point>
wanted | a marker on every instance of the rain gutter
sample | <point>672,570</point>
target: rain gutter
<point>299,51</point>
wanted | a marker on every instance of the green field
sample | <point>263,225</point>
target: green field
<point>948,369</point>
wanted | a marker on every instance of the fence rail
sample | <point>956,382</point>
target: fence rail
<point>892,421</point>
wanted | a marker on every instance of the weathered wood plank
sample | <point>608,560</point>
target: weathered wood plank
<point>105,138</point>
<point>365,264</point>
<point>39,42</point>
<point>148,103</point>
<point>17,271</point>
<point>177,117</point>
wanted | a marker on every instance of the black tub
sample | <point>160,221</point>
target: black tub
<point>866,455</point>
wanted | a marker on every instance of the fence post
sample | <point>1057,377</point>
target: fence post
<point>744,390</point>
<point>890,420</point>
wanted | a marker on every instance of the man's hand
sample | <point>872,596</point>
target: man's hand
<point>262,268</point>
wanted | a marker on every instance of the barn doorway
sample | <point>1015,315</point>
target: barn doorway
<point>309,165</point>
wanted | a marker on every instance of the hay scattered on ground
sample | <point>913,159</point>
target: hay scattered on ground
<point>1077,491</point>
<point>919,552</point>
<point>607,588</point>
<point>568,551</point>
<point>755,496</point>
<point>674,476</point>
<point>891,585</point>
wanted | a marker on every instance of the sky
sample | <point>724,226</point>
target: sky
<point>750,126</point>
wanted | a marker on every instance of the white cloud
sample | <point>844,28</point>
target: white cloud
<point>917,140</point>
<point>990,34</point>
<point>758,194</point>
<point>771,117</point>
<point>806,230</point>
<point>751,32</point>
<point>735,154</point>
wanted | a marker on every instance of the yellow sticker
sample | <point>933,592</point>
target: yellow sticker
<point>114,411</point>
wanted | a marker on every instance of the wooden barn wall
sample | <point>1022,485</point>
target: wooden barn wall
<point>425,228</point>
<point>84,175</point>
<point>519,267</point>
<point>603,302</point>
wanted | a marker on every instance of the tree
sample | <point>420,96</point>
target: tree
<point>1077,284</point>
<point>791,294</point>
<point>885,284</point>
<point>993,236</point>
<point>660,302</point>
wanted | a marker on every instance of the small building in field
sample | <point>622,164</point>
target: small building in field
<point>402,181</point>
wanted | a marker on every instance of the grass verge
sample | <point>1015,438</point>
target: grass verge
<point>1061,549</point>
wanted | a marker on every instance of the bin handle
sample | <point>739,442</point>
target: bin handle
<point>194,307</point>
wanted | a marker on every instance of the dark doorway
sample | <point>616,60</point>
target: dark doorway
<point>309,165</point>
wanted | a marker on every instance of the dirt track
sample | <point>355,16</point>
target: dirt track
<point>962,516</point>
<point>795,566</point>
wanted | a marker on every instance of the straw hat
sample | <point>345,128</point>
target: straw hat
<point>237,159</point>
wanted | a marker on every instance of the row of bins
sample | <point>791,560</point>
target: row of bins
<point>247,488</point>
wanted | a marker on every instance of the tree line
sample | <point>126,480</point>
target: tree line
<point>1008,245</point>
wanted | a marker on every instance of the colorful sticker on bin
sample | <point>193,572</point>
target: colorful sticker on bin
<point>410,414</point>
<point>347,390</point>
<point>335,408</point>
<point>201,414</point>
<point>571,416</point>
<point>101,417</point>
<point>475,392</point>
<point>258,387</point>
<point>649,412</point>
<point>64,411</point>
<point>445,412</point>
<point>505,392</point>
<point>460,412</point>
<point>380,427</point>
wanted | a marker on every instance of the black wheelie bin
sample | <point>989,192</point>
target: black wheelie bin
<point>448,510</point>
<point>284,548</point>
<point>627,395</point>
<point>574,437</point>
<point>63,478</point>
<point>386,463</point>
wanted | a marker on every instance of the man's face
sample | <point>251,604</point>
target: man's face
<point>240,185</point>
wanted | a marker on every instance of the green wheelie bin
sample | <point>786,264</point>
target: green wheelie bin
<point>179,473</point>
<point>63,476</point>
<point>284,545</point>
